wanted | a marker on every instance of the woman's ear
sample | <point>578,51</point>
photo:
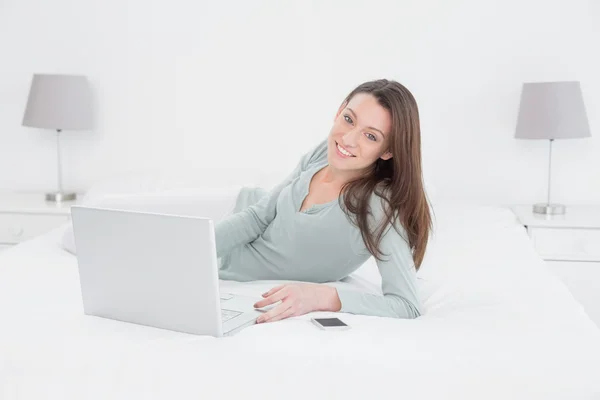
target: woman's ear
<point>387,155</point>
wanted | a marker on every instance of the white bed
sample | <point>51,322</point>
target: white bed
<point>496,326</point>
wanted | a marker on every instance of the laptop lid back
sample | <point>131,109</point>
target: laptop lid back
<point>152,269</point>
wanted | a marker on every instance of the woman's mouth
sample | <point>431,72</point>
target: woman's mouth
<point>342,152</point>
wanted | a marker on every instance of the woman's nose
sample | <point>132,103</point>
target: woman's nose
<point>351,137</point>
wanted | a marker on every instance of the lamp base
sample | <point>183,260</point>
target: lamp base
<point>59,197</point>
<point>549,209</point>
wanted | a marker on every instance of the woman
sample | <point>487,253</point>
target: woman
<point>359,193</point>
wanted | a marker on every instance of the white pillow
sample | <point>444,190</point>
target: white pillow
<point>159,181</point>
<point>462,238</point>
<point>214,203</point>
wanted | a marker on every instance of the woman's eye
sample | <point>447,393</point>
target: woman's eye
<point>369,135</point>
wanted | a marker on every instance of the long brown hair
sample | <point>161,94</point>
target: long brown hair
<point>398,180</point>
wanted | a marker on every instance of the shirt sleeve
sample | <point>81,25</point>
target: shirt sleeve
<point>398,281</point>
<point>247,225</point>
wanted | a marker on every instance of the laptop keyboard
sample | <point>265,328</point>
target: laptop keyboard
<point>226,315</point>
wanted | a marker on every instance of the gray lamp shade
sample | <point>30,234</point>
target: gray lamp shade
<point>59,102</point>
<point>552,110</point>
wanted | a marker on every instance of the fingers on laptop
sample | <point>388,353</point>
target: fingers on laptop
<point>284,310</point>
<point>272,298</point>
<point>285,314</point>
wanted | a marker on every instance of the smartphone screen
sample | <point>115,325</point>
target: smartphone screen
<point>330,322</point>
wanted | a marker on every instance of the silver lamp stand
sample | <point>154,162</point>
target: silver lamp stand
<point>59,196</point>
<point>549,208</point>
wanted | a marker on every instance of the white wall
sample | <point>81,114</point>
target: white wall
<point>216,84</point>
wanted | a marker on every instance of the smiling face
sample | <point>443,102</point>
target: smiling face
<point>362,128</point>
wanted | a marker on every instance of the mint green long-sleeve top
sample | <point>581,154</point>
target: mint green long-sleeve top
<point>272,239</point>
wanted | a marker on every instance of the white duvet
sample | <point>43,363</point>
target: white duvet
<point>497,325</point>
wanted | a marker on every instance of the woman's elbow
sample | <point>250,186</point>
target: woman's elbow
<point>403,308</point>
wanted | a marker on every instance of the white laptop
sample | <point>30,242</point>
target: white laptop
<point>155,269</point>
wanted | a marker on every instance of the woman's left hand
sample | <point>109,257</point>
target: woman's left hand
<point>298,299</point>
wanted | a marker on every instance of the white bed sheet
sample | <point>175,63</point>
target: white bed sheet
<point>496,326</point>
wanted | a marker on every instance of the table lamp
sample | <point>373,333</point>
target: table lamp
<point>59,102</point>
<point>551,110</point>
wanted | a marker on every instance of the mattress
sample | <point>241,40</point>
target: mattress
<point>497,325</point>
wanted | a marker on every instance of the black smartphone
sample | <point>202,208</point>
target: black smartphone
<point>327,324</point>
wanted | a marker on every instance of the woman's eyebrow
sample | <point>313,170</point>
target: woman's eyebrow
<point>368,127</point>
